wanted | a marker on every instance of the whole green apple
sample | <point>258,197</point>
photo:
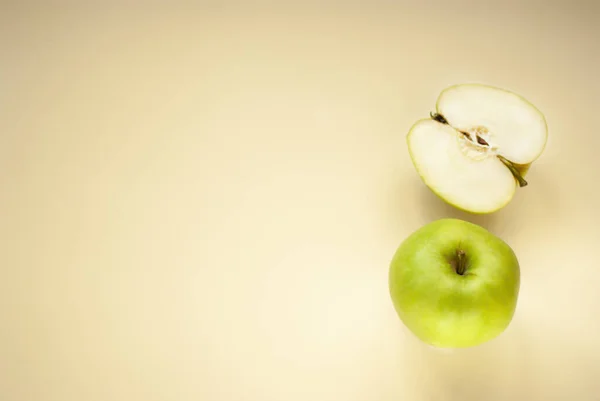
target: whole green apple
<point>454,284</point>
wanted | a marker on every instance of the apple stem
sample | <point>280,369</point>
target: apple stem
<point>513,170</point>
<point>461,262</point>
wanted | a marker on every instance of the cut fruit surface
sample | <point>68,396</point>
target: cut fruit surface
<point>475,149</point>
<point>514,125</point>
<point>468,183</point>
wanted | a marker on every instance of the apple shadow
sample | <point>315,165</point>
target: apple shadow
<point>432,207</point>
<point>490,372</point>
<point>515,366</point>
<point>533,209</point>
<point>409,204</point>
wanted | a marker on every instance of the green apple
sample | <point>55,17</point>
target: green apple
<point>454,284</point>
<point>477,147</point>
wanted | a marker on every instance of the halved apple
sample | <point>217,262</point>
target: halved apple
<point>477,147</point>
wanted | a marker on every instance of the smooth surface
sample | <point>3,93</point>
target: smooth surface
<point>512,124</point>
<point>463,176</point>
<point>201,203</point>
<point>454,284</point>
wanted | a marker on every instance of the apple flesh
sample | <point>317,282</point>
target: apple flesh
<point>454,284</point>
<point>477,147</point>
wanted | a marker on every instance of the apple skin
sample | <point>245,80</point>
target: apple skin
<point>442,307</point>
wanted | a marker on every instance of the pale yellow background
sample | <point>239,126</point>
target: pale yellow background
<point>201,202</point>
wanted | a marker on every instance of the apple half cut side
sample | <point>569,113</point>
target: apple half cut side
<point>477,147</point>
